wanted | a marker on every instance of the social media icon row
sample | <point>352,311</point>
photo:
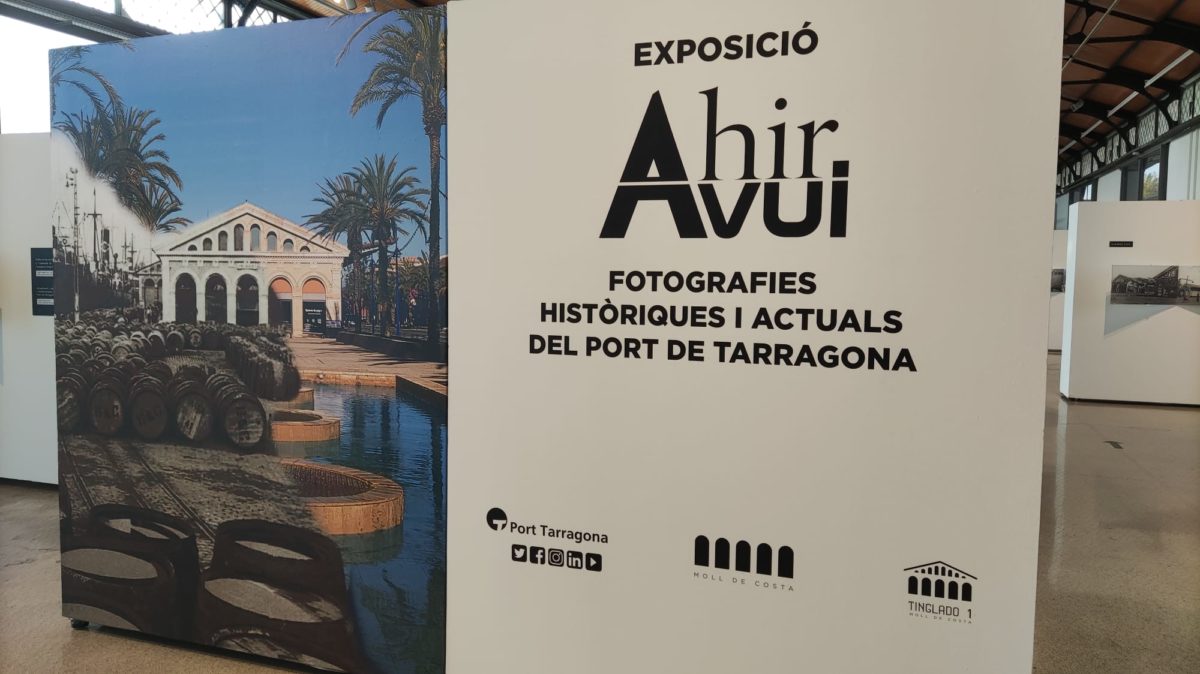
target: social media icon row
<point>571,559</point>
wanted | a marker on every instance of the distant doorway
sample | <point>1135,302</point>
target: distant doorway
<point>216,300</point>
<point>314,306</point>
<point>279,304</point>
<point>185,299</point>
<point>247,300</point>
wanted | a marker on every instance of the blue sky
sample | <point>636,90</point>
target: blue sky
<point>261,114</point>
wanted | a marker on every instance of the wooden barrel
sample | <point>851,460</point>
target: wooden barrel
<point>158,344</point>
<point>71,391</point>
<point>122,349</point>
<point>278,587</point>
<point>191,410</point>
<point>90,369</point>
<point>106,405</point>
<point>242,417</point>
<point>211,340</point>
<point>289,383</point>
<point>175,342</point>
<point>149,413</point>
<point>133,568</point>
<point>194,337</point>
<point>159,370</point>
<point>192,416</point>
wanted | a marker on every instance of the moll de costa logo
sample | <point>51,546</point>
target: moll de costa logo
<point>743,564</point>
<point>939,591</point>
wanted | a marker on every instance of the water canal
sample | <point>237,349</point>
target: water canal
<point>396,578</point>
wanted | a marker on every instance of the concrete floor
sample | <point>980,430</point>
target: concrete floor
<point>1118,581</point>
<point>1119,554</point>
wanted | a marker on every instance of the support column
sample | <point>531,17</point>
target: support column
<point>231,300</point>
<point>297,312</point>
<point>263,293</point>
<point>167,294</point>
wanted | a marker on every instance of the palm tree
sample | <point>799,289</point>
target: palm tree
<point>413,64</point>
<point>89,135</point>
<point>135,157</point>
<point>387,198</point>
<point>119,145</point>
<point>156,207</point>
<point>66,67</point>
<point>341,216</point>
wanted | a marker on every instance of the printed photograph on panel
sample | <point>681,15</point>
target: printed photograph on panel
<point>1155,284</point>
<point>250,289</point>
<point>1058,281</point>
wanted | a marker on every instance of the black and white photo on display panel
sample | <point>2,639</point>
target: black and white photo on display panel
<point>1155,284</point>
<point>1058,280</point>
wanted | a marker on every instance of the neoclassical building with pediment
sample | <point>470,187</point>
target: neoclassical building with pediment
<point>251,267</point>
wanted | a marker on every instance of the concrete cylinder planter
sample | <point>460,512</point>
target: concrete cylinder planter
<point>347,501</point>
<point>303,401</point>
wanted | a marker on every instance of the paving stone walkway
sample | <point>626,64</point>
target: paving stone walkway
<point>322,359</point>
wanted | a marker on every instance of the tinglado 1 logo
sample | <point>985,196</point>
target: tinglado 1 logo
<point>655,171</point>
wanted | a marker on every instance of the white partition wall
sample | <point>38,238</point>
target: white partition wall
<point>1139,344</point>
<point>1058,264</point>
<point>1108,187</point>
<point>27,423</point>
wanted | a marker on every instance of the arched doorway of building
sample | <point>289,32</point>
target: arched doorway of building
<point>149,293</point>
<point>216,300</point>
<point>247,300</point>
<point>314,305</point>
<point>279,303</point>
<point>185,299</point>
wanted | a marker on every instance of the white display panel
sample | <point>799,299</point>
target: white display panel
<point>869,476</point>
<point>27,422</point>
<point>1122,346</point>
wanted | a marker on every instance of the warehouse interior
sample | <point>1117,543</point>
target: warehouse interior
<point>1118,586</point>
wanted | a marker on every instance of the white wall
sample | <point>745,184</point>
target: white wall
<point>1058,260</point>
<point>1181,174</point>
<point>1147,355</point>
<point>1108,187</point>
<point>28,421</point>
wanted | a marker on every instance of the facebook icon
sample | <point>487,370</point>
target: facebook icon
<point>537,555</point>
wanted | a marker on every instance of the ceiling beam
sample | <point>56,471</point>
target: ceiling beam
<point>1087,6</point>
<point>1096,110</point>
<point>1173,32</point>
<point>74,19</point>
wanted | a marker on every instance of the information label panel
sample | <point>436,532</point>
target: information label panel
<point>41,274</point>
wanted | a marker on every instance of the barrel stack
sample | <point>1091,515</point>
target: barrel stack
<point>120,377</point>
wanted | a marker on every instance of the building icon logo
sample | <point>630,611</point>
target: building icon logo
<point>941,592</point>
<point>721,554</point>
<point>941,581</point>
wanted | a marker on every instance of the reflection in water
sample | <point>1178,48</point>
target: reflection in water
<point>397,578</point>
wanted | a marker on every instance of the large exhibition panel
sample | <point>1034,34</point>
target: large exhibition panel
<point>737,385</point>
<point>229,477</point>
<point>734,391</point>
